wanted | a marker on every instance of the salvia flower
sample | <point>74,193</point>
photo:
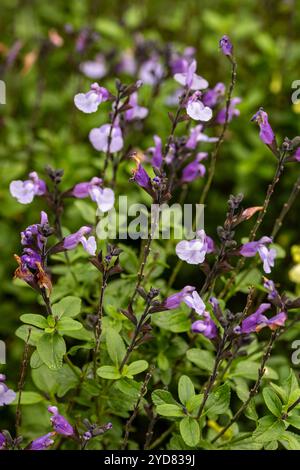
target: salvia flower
<point>206,327</point>
<point>257,321</point>
<point>2,441</point>
<point>42,443</point>
<point>267,256</point>
<point>232,111</point>
<point>194,251</point>
<point>60,423</point>
<point>82,190</point>
<point>25,191</point>
<point>7,395</point>
<point>174,300</point>
<point>71,241</point>
<point>195,169</point>
<point>196,136</point>
<point>226,45</point>
<point>104,197</point>
<point>151,71</point>
<point>194,301</point>
<point>156,151</point>
<point>89,244</point>
<point>94,69</point>
<point>266,133</point>
<point>136,111</point>
<point>127,63</point>
<point>196,109</point>
<point>90,101</point>
<point>190,79</point>
<point>99,138</point>
<point>212,96</point>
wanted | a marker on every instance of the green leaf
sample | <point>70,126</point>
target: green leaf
<point>272,401</point>
<point>173,320</point>
<point>190,431</point>
<point>35,320</point>
<point>163,397</point>
<point>129,387</point>
<point>174,411</point>
<point>186,389</point>
<point>218,401</point>
<point>35,360</point>
<point>294,420</point>
<point>28,398</point>
<point>67,379</point>
<point>66,324</point>
<point>45,379</point>
<point>23,332</point>
<point>194,403</point>
<point>269,429</point>
<point>109,372</point>
<point>115,346</point>
<point>68,307</point>
<point>87,211</point>
<point>51,348</point>
<point>290,440</point>
<point>203,359</point>
<point>136,367</point>
<point>242,280</point>
<point>249,370</point>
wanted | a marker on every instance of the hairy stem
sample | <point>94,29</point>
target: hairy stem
<point>98,327</point>
<point>21,382</point>
<point>129,422</point>
<point>214,155</point>
<point>254,390</point>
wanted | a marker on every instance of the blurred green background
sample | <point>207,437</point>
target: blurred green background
<point>39,124</point>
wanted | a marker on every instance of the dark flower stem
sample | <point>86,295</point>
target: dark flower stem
<point>214,156</point>
<point>143,391</point>
<point>270,191</point>
<point>135,337</point>
<point>21,382</point>
<point>255,388</point>
<point>109,139</point>
<point>286,207</point>
<point>98,327</point>
<point>147,249</point>
<point>175,122</point>
<point>150,430</point>
<point>214,374</point>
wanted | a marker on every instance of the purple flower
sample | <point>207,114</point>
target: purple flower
<point>272,291</point>
<point>194,251</point>
<point>104,197</point>
<point>226,45</point>
<point>196,109</point>
<point>89,245</point>
<point>194,169</point>
<point>297,155</point>
<point>212,96</point>
<point>59,422</point>
<point>267,256</point>
<point>136,111</point>
<point>127,63</point>
<point>232,111</point>
<point>42,443</point>
<point>190,79</point>
<point>2,441</point>
<point>266,133</point>
<point>196,135</point>
<point>90,101</point>
<point>174,300</point>
<point>157,153</point>
<point>141,177</point>
<point>151,71</point>
<point>30,258</point>
<point>31,236</point>
<point>206,327</point>
<point>82,190</point>
<point>24,191</point>
<point>195,302</point>
<point>99,138</point>
<point>71,241</point>
<point>257,321</point>
<point>94,69</point>
<point>7,395</point>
